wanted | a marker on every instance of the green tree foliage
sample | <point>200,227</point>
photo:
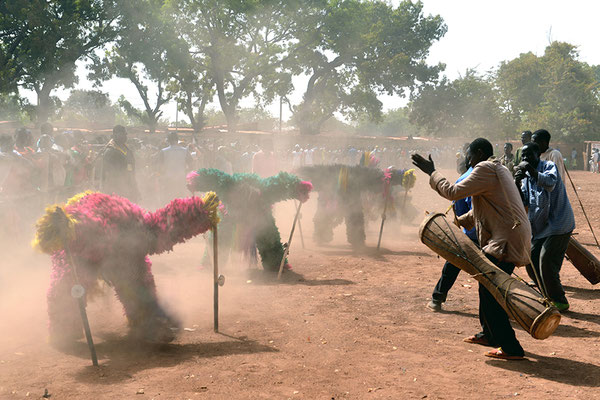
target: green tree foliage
<point>359,49</point>
<point>140,54</point>
<point>41,40</point>
<point>11,107</point>
<point>248,119</point>
<point>555,91</point>
<point>465,107</point>
<point>242,45</point>
<point>190,84</point>
<point>394,122</point>
<point>91,108</point>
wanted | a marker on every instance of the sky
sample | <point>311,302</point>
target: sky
<point>481,34</point>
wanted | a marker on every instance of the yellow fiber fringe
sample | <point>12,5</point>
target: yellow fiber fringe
<point>211,204</point>
<point>77,197</point>
<point>54,230</point>
<point>409,179</point>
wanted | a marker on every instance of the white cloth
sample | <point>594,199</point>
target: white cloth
<point>297,158</point>
<point>556,157</point>
<point>174,161</point>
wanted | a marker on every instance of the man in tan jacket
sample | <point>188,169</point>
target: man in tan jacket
<point>502,228</point>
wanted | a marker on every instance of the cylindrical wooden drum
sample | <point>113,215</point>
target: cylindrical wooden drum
<point>585,262</point>
<point>521,302</point>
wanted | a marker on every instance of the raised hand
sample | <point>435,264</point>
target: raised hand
<point>423,164</point>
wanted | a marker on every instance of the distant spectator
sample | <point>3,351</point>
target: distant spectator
<point>508,158</point>
<point>264,163</point>
<point>23,143</point>
<point>525,138</point>
<point>574,158</point>
<point>174,161</point>
<point>118,167</point>
<point>595,160</point>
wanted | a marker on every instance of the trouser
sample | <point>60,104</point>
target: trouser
<point>449,275</point>
<point>547,255</point>
<point>446,281</point>
<point>494,320</point>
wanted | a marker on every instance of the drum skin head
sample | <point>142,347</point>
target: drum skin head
<point>545,324</point>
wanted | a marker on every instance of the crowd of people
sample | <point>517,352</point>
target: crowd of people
<point>45,166</point>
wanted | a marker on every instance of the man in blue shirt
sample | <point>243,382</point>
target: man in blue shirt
<point>551,217</point>
<point>450,272</point>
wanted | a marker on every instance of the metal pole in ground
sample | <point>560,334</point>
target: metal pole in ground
<point>215,279</point>
<point>581,205</point>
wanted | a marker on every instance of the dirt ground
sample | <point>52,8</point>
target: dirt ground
<point>342,325</point>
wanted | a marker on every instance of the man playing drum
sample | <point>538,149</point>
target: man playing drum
<point>503,230</point>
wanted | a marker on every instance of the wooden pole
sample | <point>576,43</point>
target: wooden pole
<point>78,292</point>
<point>215,279</point>
<point>280,112</point>
<point>286,251</point>
<point>88,331</point>
<point>383,217</point>
<point>300,228</point>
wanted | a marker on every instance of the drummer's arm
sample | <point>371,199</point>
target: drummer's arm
<point>476,183</point>
<point>467,220</point>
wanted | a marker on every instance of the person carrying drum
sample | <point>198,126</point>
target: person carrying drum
<point>551,217</point>
<point>502,228</point>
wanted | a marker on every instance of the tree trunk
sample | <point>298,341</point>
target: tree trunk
<point>44,105</point>
<point>305,118</point>
<point>152,121</point>
<point>231,117</point>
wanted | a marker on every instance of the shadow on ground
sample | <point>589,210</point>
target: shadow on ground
<point>292,278</point>
<point>594,318</point>
<point>582,293</point>
<point>371,252</point>
<point>555,369</point>
<point>120,359</point>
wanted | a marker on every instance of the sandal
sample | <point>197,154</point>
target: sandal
<point>477,339</point>
<point>498,353</point>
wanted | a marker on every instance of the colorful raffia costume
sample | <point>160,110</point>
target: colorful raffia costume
<point>248,199</point>
<point>98,236</point>
<point>340,188</point>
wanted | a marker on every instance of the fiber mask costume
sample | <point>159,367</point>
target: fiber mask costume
<point>108,237</point>
<point>340,188</point>
<point>249,199</point>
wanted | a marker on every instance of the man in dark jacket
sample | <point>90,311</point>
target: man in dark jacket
<point>118,167</point>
